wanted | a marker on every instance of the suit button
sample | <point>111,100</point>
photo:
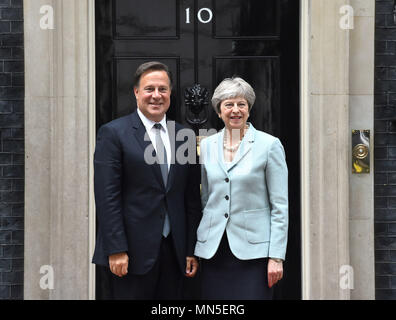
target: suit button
<point>227,197</point>
<point>227,180</point>
<point>226,215</point>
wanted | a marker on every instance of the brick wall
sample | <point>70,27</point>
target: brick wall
<point>11,149</point>
<point>385,151</point>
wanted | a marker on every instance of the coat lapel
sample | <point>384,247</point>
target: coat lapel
<point>245,146</point>
<point>145,142</point>
<point>220,152</point>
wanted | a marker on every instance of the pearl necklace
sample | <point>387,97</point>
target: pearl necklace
<point>234,147</point>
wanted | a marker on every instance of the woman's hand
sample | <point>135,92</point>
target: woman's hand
<point>275,272</point>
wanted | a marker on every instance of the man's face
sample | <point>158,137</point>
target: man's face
<point>153,94</point>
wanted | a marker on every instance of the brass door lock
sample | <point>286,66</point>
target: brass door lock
<point>360,151</point>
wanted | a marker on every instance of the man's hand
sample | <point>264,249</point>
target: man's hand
<point>191,267</point>
<point>275,272</point>
<point>119,264</point>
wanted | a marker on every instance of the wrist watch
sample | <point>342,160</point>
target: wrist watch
<point>277,260</point>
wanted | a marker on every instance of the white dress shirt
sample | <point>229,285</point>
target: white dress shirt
<point>149,125</point>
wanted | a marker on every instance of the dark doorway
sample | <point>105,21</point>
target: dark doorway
<point>203,42</point>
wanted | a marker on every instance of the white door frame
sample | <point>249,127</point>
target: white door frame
<point>304,134</point>
<point>92,139</point>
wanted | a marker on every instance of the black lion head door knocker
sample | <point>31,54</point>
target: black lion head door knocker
<point>196,99</point>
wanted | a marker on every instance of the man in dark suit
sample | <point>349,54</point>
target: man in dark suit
<point>147,212</point>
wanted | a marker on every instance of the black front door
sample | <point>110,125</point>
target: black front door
<point>203,42</point>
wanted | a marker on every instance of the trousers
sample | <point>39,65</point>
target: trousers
<point>162,282</point>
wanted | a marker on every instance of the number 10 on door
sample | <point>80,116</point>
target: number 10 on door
<point>203,18</point>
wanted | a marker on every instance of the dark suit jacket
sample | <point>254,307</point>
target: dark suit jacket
<point>131,198</point>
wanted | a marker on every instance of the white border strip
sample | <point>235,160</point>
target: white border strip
<point>92,138</point>
<point>304,147</point>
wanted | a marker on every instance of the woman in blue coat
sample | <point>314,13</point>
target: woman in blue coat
<point>242,236</point>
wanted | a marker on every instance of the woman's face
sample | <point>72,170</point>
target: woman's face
<point>234,112</point>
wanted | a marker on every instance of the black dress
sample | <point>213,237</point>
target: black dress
<point>225,277</point>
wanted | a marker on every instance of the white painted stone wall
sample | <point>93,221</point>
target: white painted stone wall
<point>57,150</point>
<point>336,96</point>
<point>361,115</point>
<point>325,146</point>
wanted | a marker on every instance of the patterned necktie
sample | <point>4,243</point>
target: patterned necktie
<point>163,162</point>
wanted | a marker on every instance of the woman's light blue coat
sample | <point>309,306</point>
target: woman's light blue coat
<point>247,198</point>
